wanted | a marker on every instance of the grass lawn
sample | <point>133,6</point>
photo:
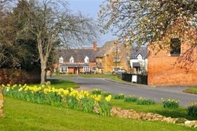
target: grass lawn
<point>108,76</point>
<point>27,116</point>
<point>22,115</point>
<point>192,90</point>
<point>57,83</point>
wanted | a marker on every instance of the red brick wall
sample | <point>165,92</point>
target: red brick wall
<point>164,69</point>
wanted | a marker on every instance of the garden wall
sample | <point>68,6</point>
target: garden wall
<point>1,103</point>
<point>17,76</point>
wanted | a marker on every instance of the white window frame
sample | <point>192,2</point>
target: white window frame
<point>63,69</point>
<point>93,68</point>
<point>86,69</point>
<point>86,60</point>
<point>71,59</point>
<point>61,60</point>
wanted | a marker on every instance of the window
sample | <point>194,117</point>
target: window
<point>71,59</point>
<point>86,59</point>
<point>175,46</point>
<point>61,60</point>
<point>93,68</point>
<point>116,59</point>
<point>116,50</point>
<point>139,57</point>
<point>63,69</point>
<point>86,69</point>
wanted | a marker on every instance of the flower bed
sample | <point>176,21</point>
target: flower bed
<point>46,94</point>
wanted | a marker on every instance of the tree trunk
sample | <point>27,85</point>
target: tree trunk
<point>43,72</point>
<point>43,61</point>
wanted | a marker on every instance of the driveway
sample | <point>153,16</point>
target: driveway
<point>154,93</point>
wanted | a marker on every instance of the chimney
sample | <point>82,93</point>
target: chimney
<point>94,45</point>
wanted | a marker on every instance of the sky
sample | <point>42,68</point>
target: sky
<point>90,8</point>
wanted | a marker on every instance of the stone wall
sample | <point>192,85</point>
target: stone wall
<point>1,103</point>
<point>132,114</point>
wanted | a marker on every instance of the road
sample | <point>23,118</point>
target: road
<point>134,89</point>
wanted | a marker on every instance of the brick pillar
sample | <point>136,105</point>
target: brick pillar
<point>1,103</point>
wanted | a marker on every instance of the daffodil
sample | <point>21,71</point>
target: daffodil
<point>108,98</point>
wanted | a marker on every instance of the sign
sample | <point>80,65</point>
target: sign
<point>134,78</point>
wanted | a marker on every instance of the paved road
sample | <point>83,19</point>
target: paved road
<point>137,90</point>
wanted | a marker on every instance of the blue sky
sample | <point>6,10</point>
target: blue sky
<point>91,8</point>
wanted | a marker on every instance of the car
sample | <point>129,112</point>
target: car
<point>119,71</point>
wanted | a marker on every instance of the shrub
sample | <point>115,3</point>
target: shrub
<point>192,109</point>
<point>104,108</point>
<point>170,103</point>
<point>130,99</point>
<point>96,91</point>
<point>144,101</point>
<point>106,94</point>
<point>119,96</point>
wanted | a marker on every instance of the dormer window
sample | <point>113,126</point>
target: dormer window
<point>71,59</point>
<point>61,60</point>
<point>139,57</point>
<point>116,50</point>
<point>86,60</point>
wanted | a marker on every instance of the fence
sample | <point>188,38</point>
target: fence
<point>135,78</point>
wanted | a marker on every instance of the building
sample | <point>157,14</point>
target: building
<point>75,61</point>
<point>113,54</point>
<point>139,60</point>
<point>172,61</point>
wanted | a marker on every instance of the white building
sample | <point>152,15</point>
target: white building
<point>139,60</point>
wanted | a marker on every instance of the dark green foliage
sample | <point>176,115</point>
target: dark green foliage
<point>143,101</point>
<point>130,99</point>
<point>119,96</point>
<point>192,110</point>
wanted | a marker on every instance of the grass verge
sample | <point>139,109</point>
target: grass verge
<point>192,90</point>
<point>21,115</point>
<point>58,83</point>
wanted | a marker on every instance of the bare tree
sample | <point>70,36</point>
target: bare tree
<point>52,22</point>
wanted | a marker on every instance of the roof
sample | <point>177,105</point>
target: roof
<point>78,54</point>
<point>143,51</point>
<point>75,65</point>
<point>105,48</point>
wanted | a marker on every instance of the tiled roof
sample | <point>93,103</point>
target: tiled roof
<point>78,54</point>
<point>139,50</point>
<point>75,65</point>
<point>105,48</point>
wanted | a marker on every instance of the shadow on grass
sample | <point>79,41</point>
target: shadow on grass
<point>57,83</point>
<point>176,113</point>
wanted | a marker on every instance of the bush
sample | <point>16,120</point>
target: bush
<point>192,109</point>
<point>170,103</point>
<point>96,91</point>
<point>105,94</point>
<point>119,96</point>
<point>144,101</point>
<point>130,99</point>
